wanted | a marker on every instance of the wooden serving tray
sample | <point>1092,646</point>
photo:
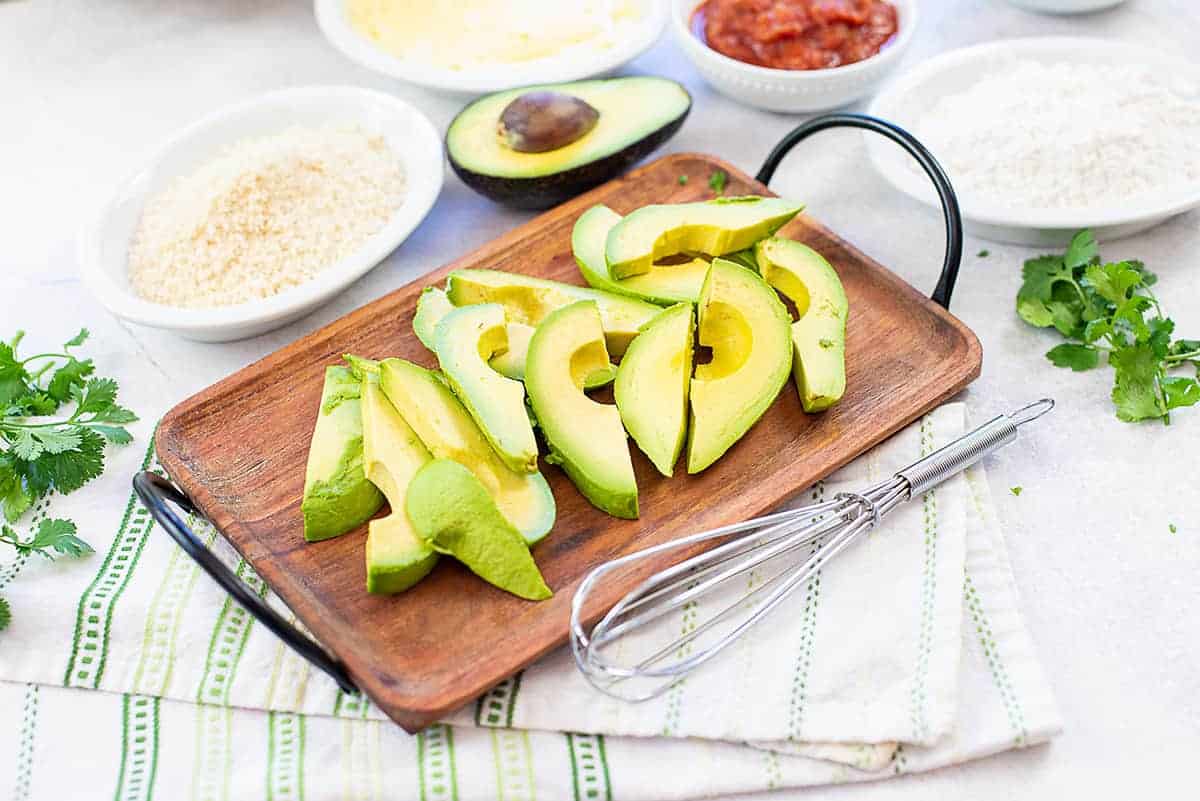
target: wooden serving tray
<point>238,449</point>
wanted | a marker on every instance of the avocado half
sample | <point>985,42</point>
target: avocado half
<point>637,114</point>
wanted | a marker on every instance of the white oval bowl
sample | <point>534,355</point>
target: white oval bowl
<point>1066,6</point>
<point>103,247</point>
<point>567,66</point>
<point>907,99</point>
<point>792,90</point>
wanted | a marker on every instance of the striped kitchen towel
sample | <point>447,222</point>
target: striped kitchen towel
<point>906,653</point>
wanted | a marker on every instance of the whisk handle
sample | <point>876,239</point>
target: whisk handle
<point>970,448</point>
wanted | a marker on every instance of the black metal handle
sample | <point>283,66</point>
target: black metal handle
<point>954,228</point>
<point>156,494</point>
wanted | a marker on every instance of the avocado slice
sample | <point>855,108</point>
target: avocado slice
<point>396,557</point>
<point>433,305</point>
<point>749,330</point>
<point>715,227</point>
<point>584,436</point>
<point>466,339</point>
<point>651,389</point>
<point>337,495</point>
<point>663,284</point>
<point>528,300</point>
<point>452,511</point>
<point>636,115</point>
<point>445,427</point>
<point>819,333</point>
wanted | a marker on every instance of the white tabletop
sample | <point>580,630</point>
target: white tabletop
<point>1110,594</point>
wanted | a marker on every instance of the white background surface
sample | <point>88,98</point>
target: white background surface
<point>88,89</point>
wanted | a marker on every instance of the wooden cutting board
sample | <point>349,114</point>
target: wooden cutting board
<point>238,449</point>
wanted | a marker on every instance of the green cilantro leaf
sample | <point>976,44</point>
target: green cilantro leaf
<point>1016,490</point>
<point>25,446</point>
<point>1037,291</point>
<point>1135,393</point>
<point>983,254</point>
<point>1180,391</point>
<point>78,339</point>
<point>98,395</point>
<point>1097,329</point>
<point>1158,336</point>
<point>1184,346</point>
<point>1067,317</point>
<point>15,498</point>
<point>1082,251</point>
<point>58,536</point>
<point>5,614</point>
<point>683,179</point>
<point>12,375</point>
<point>1077,357</point>
<point>1112,281</point>
<point>68,377</point>
<point>114,434</point>
<point>71,470</point>
<point>717,181</point>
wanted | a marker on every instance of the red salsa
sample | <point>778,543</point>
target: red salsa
<point>796,34</point>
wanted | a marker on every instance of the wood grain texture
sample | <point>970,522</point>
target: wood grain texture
<point>238,449</point>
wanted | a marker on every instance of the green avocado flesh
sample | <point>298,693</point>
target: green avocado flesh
<point>636,114</point>
<point>445,427</point>
<point>585,437</point>
<point>392,454</point>
<point>749,331</point>
<point>715,227</point>
<point>434,304</point>
<point>452,510</point>
<point>663,284</point>
<point>528,300</point>
<point>819,335</point>
<point>466,339</point>
<point>337,495</point>
<point>651,389</point>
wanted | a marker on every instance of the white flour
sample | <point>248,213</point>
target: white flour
<point>1066,137</point>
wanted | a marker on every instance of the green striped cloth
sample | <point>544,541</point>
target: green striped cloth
<point>906,654</point>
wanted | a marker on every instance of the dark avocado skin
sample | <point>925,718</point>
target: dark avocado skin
<point>543,192</point>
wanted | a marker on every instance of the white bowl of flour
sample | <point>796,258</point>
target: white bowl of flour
<point>1042,137</point>
<point>238,225</point>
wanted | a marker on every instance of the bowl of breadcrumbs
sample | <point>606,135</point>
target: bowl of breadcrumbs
<point>257,214</point>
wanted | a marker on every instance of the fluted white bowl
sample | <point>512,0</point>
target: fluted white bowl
<point>792,90</point>
<point>1066,6</point>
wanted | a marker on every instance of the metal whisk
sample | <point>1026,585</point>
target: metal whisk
<point>798,542</point>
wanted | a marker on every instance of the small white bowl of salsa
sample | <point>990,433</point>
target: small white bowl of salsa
<point>793,60</point>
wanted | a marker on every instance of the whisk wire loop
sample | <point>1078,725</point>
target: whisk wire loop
<point>826,528</point>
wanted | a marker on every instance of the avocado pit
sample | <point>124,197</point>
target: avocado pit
<point>538,122</point>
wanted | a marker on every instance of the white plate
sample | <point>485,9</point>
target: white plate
<point>571,65</point>
<point>104,240</point>
<point>907,99</point>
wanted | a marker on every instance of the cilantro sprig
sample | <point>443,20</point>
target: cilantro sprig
<point>1108,310</point>
<point>52,538</point>
<point>56,417</point>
